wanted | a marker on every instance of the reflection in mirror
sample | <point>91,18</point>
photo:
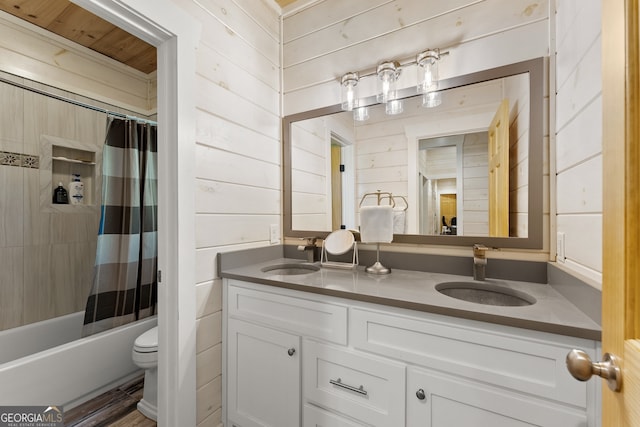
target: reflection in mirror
<point>442,183</point>
<point>391,156</point>
<point>322,173</point>
<point>469,168</point>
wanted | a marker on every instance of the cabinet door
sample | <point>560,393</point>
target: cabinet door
<point>438,400</point>
<point>263,384</point>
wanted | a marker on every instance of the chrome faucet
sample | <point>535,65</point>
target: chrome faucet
<point>309,247</point>
<point>479,261</point>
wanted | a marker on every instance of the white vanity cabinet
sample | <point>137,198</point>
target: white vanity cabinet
<point>356,363</point>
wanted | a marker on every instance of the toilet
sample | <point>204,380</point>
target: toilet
<point>145,355</point>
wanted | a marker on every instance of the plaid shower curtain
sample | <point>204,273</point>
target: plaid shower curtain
<point>124,286</point>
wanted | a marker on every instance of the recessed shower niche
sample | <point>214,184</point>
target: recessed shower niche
<point>62,158</point>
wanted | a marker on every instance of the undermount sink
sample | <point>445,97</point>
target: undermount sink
<point>289,269</point>
<point>485,293</point>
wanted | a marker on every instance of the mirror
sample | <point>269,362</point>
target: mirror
<point>434,161</point>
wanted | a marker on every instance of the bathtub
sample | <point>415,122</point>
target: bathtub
<point>48,363</point>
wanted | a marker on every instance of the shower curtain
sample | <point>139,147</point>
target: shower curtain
<point>124,287</point>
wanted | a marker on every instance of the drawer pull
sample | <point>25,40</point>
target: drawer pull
<point>420,394</point>
<point>339,383</point>
<point>291,351</point>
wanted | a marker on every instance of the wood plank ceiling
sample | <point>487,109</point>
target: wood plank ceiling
<point>77,24</point>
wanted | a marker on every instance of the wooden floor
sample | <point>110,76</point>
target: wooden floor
<point>133,419</point>
<point>115,408</point>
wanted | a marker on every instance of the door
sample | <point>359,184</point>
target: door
<point>263,376</point>
<point>336,186</point>
<point>621,206</point>
<point>448,208</point>
<point>499,172</point>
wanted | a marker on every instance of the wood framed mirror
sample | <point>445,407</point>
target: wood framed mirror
<point>399,154</point>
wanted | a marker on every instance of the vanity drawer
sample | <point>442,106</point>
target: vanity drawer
<point>492,354</point>
<point>304,316</point>
<point>366,387</point>
<point>316,417</point>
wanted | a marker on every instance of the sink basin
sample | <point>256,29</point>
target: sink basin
<point>288,269</point>
<point>485,293</point>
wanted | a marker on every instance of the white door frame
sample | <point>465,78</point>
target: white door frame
<point>162,24</point>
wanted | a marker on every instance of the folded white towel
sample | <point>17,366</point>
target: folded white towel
<point>376,224</point>
<point>399,221</point>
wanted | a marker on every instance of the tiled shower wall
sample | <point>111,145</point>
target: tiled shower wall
<point>46,252</point>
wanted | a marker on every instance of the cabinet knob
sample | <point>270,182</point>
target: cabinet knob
<point>420,394</point>
<point>291,351</point>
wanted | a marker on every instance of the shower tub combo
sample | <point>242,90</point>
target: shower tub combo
<point>49,363</point>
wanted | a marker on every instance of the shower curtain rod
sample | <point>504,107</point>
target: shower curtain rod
<point>77,103</point>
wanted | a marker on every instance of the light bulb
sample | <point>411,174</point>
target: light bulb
<point>388,73</point>
<point>385,90</point>
<point>349,91</point>
<point>428,70</point>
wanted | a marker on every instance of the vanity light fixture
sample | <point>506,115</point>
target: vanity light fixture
<point>388,73</point>
<point>349,91</point>
<point>427,62</point>
<point>361,114</point>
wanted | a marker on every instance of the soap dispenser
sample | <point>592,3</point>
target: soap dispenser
<point>76,190</point>
<point>60,195</point>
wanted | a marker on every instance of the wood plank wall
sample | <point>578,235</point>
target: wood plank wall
<point>475,197</point>
<point>310,157</point>
<point>516,90</point>
<point>578,139</point>
<point>332,37</point>
<point>238,159</point>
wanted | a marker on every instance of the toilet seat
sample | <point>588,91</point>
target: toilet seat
<point>147,342</point>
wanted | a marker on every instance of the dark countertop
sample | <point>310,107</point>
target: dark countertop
<point>415,290</point>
